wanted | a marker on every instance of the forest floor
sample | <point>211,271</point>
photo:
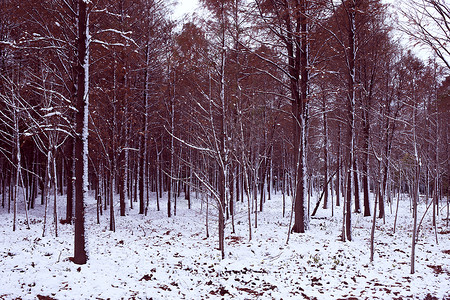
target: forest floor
<point>170,258</point>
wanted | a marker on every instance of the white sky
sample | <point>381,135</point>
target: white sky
<point>184,7</point>
<point>422,52</point>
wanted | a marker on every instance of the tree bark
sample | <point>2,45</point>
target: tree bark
<point>338,169</point>
<point>356,184</point>
<point>81,138</point>
<point>325,153</point>
<point>300,92</point>
<point>350,114</point>
<point>365,168</point>
<point>69,180</point>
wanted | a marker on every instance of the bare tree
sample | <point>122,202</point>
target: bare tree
<point>14,108</point>
<point>428,23</point>
<point>288,22</point>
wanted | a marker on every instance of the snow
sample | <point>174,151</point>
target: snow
<point>171,258</point>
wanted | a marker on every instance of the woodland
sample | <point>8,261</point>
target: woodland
<point>252,132</point>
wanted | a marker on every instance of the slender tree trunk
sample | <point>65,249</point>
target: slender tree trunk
<point>344,210</point>
<point>365,179</point>
<point>415,198</point>
<point>372,233</point>
<point>338,171</point>
<point>173,185</point>
<point>122,190</point>
<point>415,201</point>
<point>255,196</point>
<point>301,222</point>
<point>112,221</point>
<point>55,185</point>
<point>350,115</point>
<point>70,166</point>
<point>18,165</point>
<point>158,178</point>
<point>141,175</point>
<point>47,191</point>
<point>232,180</point>
<point>4,186</point>
<point>222,149</point>
<point>365,160</point>
<point>435,200</point>
<point>262,182</point>
<point>398,201</point>
<point>11,193</point>
<point>356,184</point>
<point>325,152</point>
<point>382,198</point>
<point>332,199</point>
<point>81,139</point>
<point>98,198</point>
<point>283,182</point>
<point>207,216</point>
<point>144,137</point>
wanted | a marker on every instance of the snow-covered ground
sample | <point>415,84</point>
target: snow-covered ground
<point>170,258</point>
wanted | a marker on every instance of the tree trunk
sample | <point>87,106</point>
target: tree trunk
<point>81,138</point>
<point>365,179</point>
<point>141,174</point>
<point>372,233</point>
<point>338,167</point>
<point>415,201</point>
<point>55,186</point>
<point>325,152</point>
<point>382,197</point>
<point>69,167</point>
<point>350,115</point>
<point>398,201</point>
<point>112,221</point>
<point>299,111</point>
<point>356,184</point>
<point>47,191</point>
<point>3,185</point>
<point>122,184</point>
<point>18,164</point>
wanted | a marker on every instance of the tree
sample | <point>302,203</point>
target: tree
<point>82,130</point>
<point>375,51</point>
<point>428,23</point>
<point>14,107</point>
<point>207,119</point>
<point>343,29</point>
<point>289,22</point>
<point>354,27</point>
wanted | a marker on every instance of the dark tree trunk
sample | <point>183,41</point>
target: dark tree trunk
<point>122,187</point>
<point>325,152</point>
<point>356,183</point>
<point>112,222</point>
<point>69,180</point>
<point>299,110</point>
<point>221,213</point>
<point>237,179</point>
<point>141,176</point>
<point>80,256</point>
<point>382,196</point>
<point>232,191</point>
<point>169,198</point>
<point>350,115</point>
<point>338,170</point>
<point>3,185</point>
<point>365,167</point>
